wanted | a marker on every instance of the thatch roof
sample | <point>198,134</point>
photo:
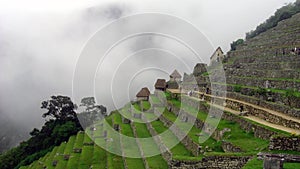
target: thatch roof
<point>144,92</point>
<point>160,83</point>
<point>175,74</point>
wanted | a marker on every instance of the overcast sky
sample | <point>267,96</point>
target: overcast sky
<point>40,41</point>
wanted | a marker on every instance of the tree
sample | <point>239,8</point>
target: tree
<point>60,108</point>
<point>234,44</point>
<point>61,123</point>
<point>91,112</point>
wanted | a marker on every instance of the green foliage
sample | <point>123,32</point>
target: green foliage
<point>237,88</point>
<point>283,13</point>
<point>261,91</point>
<point>61,123</point>
<point>234,44</point>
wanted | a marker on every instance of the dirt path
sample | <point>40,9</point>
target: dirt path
<point>261,121</point>
<point>284,116</point>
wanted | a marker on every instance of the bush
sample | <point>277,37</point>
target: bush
<point>234,44</point>
<point>237,88</point>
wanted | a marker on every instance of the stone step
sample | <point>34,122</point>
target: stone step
<point>257,82</point>
<point>264,73</point>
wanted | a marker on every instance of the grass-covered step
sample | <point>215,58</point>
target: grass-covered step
<point>265,73</point>
<point>49,160</point>
<point>86,159</point>
<point>63,158</point>
<point>278,119</point>
<point>59,156</point>
<point>155,100</point>
<point>169,139</point>
<point>77,149</point>
<point>278,83</point>
<point>237,136</point>
<point>113,160</point>
<point>99,158</point>
<point>149,146</point>
<point>129,147</point>
<point>194,132</point>
<point>287,66</point>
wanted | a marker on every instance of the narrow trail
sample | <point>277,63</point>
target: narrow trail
<point>260,121</point>
<point>256,119</point>
<point>279,114</point>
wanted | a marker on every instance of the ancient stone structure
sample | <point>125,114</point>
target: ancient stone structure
<point>212,162</point>
<point>285,143</point>
<point>143,94</point>
<point>275,161</point>
<point>228,147</point>
<point>217,56</point>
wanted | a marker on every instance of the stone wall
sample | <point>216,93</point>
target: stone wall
<point>140,146</point>
<point>258,131</point>
<point>253,110</point>
<point>278,84</point>
<point>166,153</point>
<point>185,140</point>
<point>263,114</point>
<point>228,147</point>
<point>212,162</point>
<point>278,98</point>
<point>269,105</point>
<point>285,143</point>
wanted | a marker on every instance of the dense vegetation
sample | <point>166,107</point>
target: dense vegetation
<point>283,13</point>
<point>234,44</point>
<point>61,123</point>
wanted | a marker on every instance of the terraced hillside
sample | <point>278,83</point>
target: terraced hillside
<point>267,67</point>
<point>262,76</point>
<point>232,144</point>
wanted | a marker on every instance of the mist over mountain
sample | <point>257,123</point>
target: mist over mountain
<point>39,49</point>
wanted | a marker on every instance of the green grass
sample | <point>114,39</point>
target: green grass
<point>150,146</point>
<point>75,157</point>
<point>135,163</point>
<point>246,141</point>
<point>85,158</point>
<point>99,158</point>
<point>49,160</point>
<point>70,144</point>
<point>130,147</point>
<point>193,132</point>
<point>146,105</point>
<point>114,161</point>
<point>170,139</point>
<point>59,157</point>
<point>155,99</point>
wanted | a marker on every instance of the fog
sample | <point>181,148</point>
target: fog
<point>40,43</point>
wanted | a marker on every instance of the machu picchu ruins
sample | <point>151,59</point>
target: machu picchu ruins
<point>241,110</point>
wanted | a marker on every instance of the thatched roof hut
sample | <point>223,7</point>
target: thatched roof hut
<point>143,94</point>
<point>160,84</point>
